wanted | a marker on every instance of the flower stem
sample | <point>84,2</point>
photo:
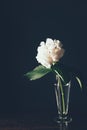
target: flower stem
<point>59,78</point>
<point>62,94</point>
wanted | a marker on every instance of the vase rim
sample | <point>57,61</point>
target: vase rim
<point>67,84</point>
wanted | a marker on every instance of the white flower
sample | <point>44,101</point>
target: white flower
<point>49,52</point>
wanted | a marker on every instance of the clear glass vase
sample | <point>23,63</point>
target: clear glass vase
<point>62,93</point>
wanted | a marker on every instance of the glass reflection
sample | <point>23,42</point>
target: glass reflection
<point>63,126</point>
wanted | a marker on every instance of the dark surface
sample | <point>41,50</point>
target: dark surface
<point>39,122</point>
<point>25,24</point>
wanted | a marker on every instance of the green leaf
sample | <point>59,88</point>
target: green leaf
<point>37,72</point>
<point>79,81</point>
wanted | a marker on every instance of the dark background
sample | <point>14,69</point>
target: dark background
<point>25,25</point>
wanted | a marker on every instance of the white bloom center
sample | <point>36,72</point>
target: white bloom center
<point>49,52</point>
